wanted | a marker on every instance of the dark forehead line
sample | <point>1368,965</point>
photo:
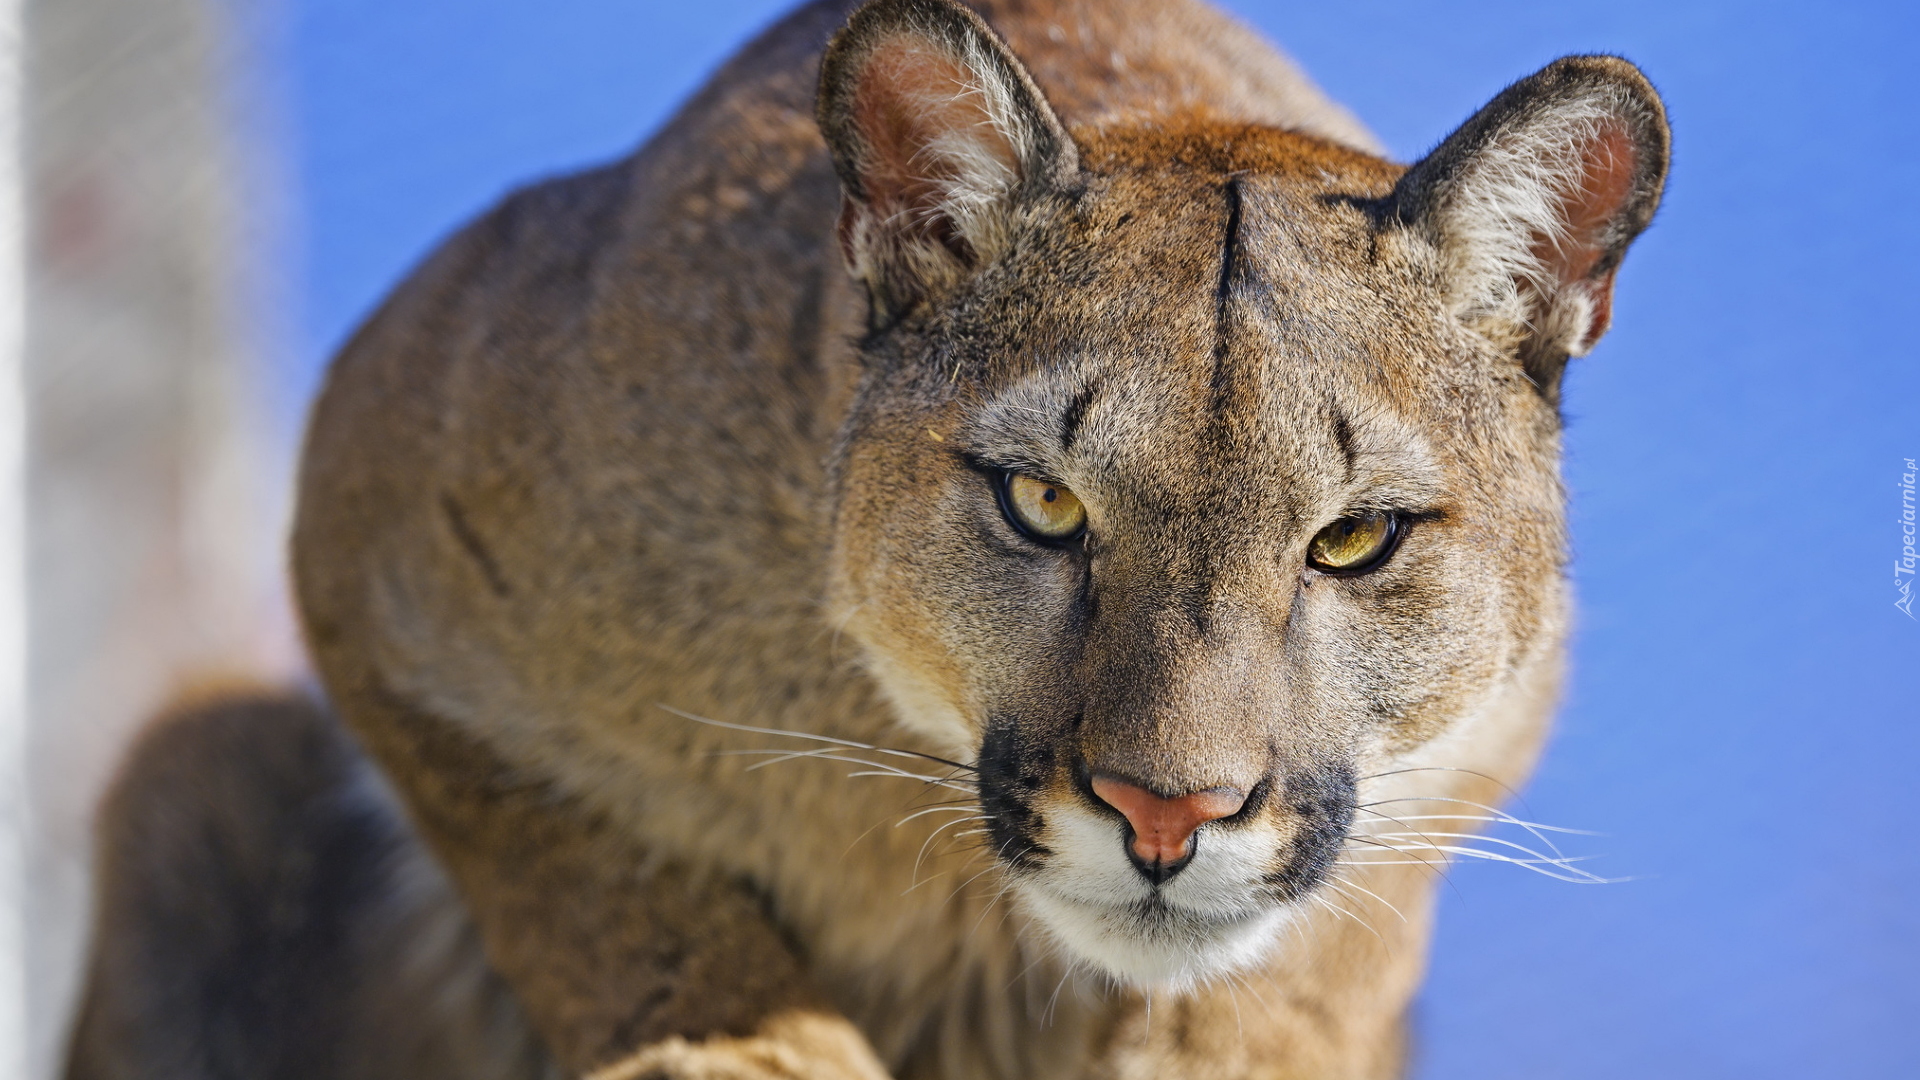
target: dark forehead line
<point>1043,409</point>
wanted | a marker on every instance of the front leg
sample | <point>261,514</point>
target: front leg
<point>663,974</point>
<point>628,967</point>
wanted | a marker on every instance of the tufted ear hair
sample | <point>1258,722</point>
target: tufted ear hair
<point>1532,204</point>
<point>938,134</point>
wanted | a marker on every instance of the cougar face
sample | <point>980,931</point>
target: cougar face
<point>1194,474</point>
<point>1240,389</point>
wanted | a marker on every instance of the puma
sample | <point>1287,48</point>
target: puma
<point>986,549</point>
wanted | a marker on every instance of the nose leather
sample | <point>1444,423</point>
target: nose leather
<point>1162,827</point>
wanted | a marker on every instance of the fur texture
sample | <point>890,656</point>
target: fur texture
<point>633,487</point>
<point>261,896</point>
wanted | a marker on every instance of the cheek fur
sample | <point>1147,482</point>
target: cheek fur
<point>1403,651</point>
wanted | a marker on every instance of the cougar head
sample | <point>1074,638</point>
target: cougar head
<point>1199,468</point>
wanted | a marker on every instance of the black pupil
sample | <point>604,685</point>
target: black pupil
<point>1050,495</point>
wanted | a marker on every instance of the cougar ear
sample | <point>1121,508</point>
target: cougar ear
<point>1532,204</point>
<point>938,134</point>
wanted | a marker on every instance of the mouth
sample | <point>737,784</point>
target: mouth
<point>1239,879</point>
<point>1217,915</point>
<point>1153,943</point>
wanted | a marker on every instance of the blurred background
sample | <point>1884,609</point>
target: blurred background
<point>200,198</point>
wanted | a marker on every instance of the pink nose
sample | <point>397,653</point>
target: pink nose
<point>1163,828</point>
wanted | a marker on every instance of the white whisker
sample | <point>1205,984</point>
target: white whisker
<point>1557,858</point>
<point>816,738</point>
<point>991,904</point>
<point>1538,865</point>
<point>1348,883</point>
<point>1338,910</point>
<point>935,810</point>
<point>902,774</point>
<point>1504,817</point>
<point>1054,998</point>
<point>830,754</point>
<point>1443,768</point>
<point>1245,980</point>
<point>1491,820</point>
<point>924,844</point>
<point>1522,848</point>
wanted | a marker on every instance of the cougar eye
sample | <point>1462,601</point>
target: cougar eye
<point>1046,512</point>
<point>1354,544</point>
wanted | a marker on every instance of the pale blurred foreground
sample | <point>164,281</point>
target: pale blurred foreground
<point>139,480</point>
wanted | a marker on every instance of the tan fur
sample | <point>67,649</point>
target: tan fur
<point>635,452</point>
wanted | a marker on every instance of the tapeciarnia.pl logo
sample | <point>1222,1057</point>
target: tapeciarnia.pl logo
<point>1903,566</point>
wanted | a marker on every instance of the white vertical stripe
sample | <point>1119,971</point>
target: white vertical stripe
<point>13,556</point>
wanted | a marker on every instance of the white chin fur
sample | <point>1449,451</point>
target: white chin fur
<point>1210,920</point>
<point>1153,948</point>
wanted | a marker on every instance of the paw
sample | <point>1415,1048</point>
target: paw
<point>794,1047</point>
<point>728,1059</point>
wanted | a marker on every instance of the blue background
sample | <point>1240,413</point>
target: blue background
<point>1742,720</point>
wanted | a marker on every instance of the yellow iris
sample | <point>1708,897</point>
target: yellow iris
<point>1353,543</point>
<point>1049,511</point>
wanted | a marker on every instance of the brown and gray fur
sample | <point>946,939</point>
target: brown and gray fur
<point>709,437</point>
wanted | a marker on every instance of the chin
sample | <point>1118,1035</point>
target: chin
<point>1152,944</point>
